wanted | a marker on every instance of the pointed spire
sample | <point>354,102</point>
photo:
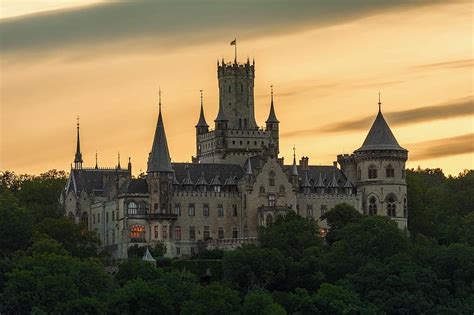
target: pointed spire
<point>188,180</point>
<point>320,183</point>
<point>248,167</point>
<point>129,164</point>
<point>333,183</point>
<point>306,183</point>
<point>159,159</point>
<point>380,137</point>
<point>294,168</point>
<point>118,160</point>
<point>271,116</point>
<point>78,157</point>
<point>202,119</point>
<point>202,180</point>
<point>96,165</point>
<point>380,104</point>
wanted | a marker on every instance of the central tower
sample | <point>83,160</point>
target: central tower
<point>236,96</point>
<point>236,134</point>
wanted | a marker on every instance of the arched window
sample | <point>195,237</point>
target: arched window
<point>262,189</point>
<point>372,172</point>
<point>391,202</point>
<point>269,219</point>
<point>405,208</point>
<point>390,171</point>
<point>372,206</point>
<point>142,208</point>
<point>85,219</point>
<point>137,233</point>
<point>132,208</point>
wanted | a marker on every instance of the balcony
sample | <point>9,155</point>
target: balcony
<point>230,243</point>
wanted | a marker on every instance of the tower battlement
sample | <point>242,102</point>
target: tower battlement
<point>235,68</point>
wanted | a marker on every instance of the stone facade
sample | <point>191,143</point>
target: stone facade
<point>236,182</point>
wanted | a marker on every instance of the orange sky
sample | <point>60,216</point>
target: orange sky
<point>326,73</point>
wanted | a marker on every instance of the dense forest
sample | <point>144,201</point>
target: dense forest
<point>364,265</point>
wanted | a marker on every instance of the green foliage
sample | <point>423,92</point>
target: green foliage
<point>211,268</point>
<point>252,267</point>
<point>338,217</point>
<point>333,299</point>
<point>212,299</point>
<point>75,239</point>
<point>157,249</point>
<point>291,235</point>
<point>261,303</point>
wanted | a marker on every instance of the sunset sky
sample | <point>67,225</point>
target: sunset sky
<point>327,61</point>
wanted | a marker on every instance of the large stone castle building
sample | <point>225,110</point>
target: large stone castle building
<point>235,183</point>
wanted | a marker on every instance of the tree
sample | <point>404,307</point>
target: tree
<point>291,235</point>
<point>357,243</point>
<point>338,217</point>
<point>252,267</point>
<point>212,300</point>
<point>140,297</point>
<point>261,303</point>
<point>333,299</point>
<point>75,239</point>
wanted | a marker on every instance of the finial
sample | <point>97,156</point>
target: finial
<point>294,151</point>
<point>77,121</point>
<point>271,89</point>
<point>96,165</point>
<point>118,159</point>
<point>159,98</point>
<point>201,96</point>
<point>380,103</point>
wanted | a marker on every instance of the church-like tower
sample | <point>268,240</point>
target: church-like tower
<point>236,133</point>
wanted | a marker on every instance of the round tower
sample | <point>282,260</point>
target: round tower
<point>380,164</point>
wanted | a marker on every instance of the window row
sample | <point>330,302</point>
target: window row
<point>390,206</point>
<point>138,232</point>
<point>372,172</point>
<point>205,210</point>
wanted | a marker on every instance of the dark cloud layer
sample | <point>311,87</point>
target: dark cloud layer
<point>452,64</point>
<point>442,147</point>
<point>178,22</point>
<point>455,108</point>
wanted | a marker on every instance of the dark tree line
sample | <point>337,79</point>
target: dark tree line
<point>365,265</point>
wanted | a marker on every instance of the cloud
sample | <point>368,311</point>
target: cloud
<point>178,23</point>
<point>442,147</point>
<point>452,64</point>
<point>455,108</point>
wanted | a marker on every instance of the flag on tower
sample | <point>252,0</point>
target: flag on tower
<point>234,42</point>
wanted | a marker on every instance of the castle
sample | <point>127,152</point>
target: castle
<point>235,183</point>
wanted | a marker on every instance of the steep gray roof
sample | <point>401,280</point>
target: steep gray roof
<point>380,137</point>
<point>220,115</point>
<point>138,186</point>
<point>92,180</point>
<point>159,159</point>
<point>207,172</point>
<point>202,119</point>
<point>271,116</point>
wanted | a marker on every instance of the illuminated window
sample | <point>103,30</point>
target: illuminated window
<point>137,233</point>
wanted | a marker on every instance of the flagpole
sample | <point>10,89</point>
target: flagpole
<point>235,50</point>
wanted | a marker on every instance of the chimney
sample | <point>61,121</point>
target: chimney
<point>304,162</point>
<point>334,163</point>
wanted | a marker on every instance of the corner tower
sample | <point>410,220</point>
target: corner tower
<point>380,173</point>
<point>159,171</point>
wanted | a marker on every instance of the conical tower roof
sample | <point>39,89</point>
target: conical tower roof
<point>78,156</point>
<point>202,119</point>
<point>380,137</point>
<point>159,159</point>
<point>220,115</point>
<point>271,116</point>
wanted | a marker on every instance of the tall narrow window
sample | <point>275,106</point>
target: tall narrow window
<point>220,210</point>
<point>132,208</point>
<point>391,206</point>
<point>234,210</point>
<point>191,210</point>
<point>164,232</point>
<point>220,233</point>
<point>324,208</point>
<point>271,200</point>
<point>205,210</point>
<point>85,219</point>
<point>177,233</point>
<point>390,171</point>
<point>155,230</point>
<point>177,209</point>
<point>235,233</point>
<point>372,206</point>
<point>405,208</point>
<point>230,89</point>
<point>206,233</point>
<point>309,211</point>
<point>192,233</point>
